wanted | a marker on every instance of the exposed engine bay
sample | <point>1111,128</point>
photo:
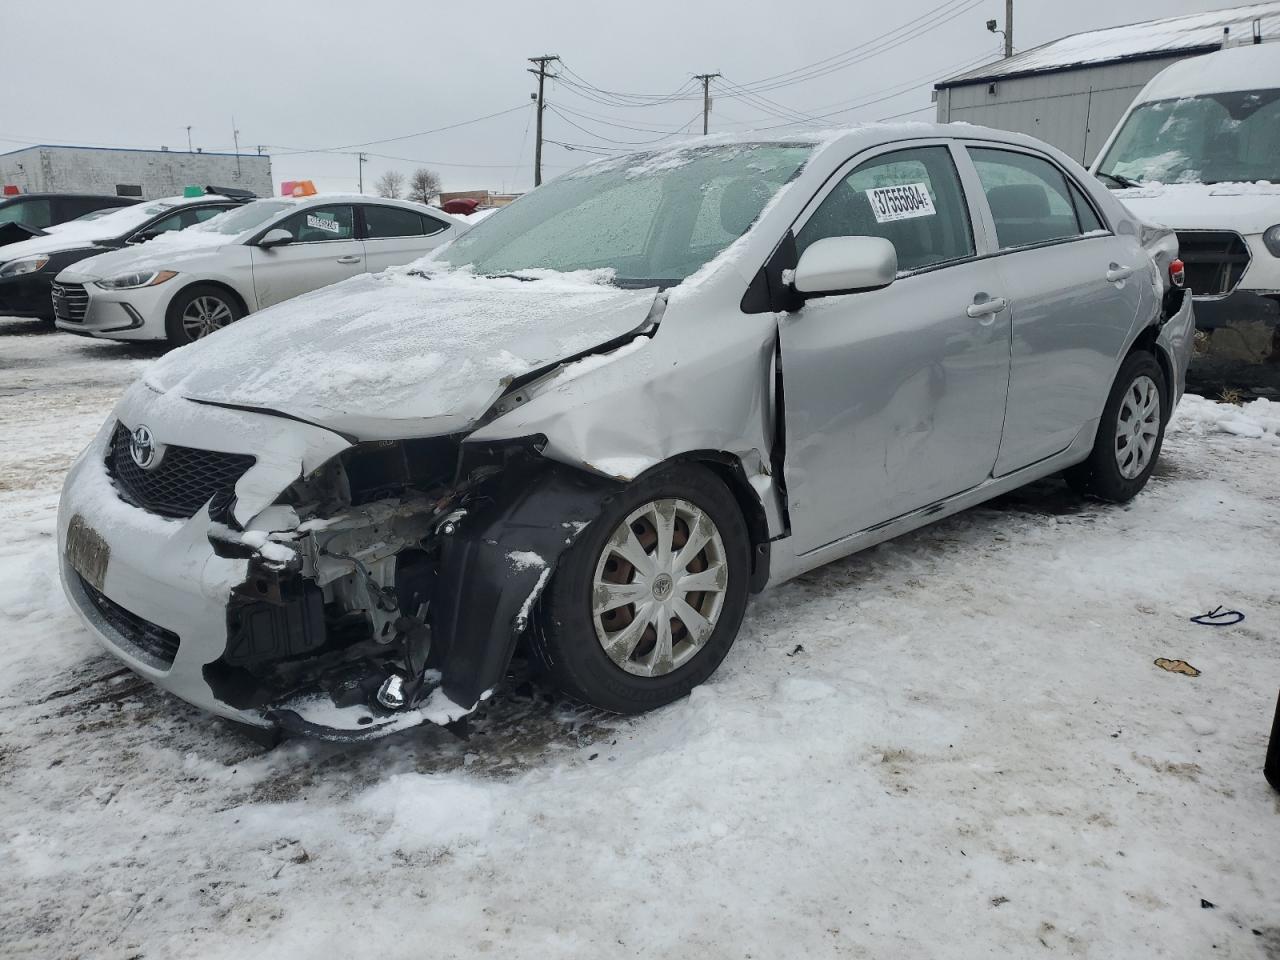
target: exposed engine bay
<point>391,585</point>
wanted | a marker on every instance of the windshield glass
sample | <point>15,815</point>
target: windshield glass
<point>252,214</point>
<point>651,217</point>
<point>1217,138</point>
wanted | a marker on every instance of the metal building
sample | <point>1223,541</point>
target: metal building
<point>1072,92</point>
<point>130,173</point>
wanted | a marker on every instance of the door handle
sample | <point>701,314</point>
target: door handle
<point>349,259</point>
<point>986,308</point>
<point>1119,272</point>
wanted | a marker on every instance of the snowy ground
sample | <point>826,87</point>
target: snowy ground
<point>955,745</point>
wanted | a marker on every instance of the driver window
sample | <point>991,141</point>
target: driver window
<point>912,198</point>
<point>319,224</point>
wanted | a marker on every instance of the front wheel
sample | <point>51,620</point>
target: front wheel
<point>648,600</point>
<point>198,311</point>
<point>1130,433</point>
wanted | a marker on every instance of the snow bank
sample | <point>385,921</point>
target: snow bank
<point>1257,420</point>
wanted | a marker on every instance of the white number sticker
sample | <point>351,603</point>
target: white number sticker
<point>901,202</point>
<point>323,223</point>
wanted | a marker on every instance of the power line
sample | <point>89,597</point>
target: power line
<point>626,143</point>
<point>406,136</point>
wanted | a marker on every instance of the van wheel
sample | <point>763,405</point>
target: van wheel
<point>649,599</point>
<point>1130,433</point>
<point>198,311</point>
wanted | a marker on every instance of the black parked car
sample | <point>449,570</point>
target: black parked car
<point>27,268</point>
<point>26,215</point>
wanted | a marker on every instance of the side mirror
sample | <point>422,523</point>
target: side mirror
<point>275,238</point>
<point>845,265</point>
<point>144,236</point>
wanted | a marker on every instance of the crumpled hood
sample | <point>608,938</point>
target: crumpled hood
<point>1247,208</point>
<point>401,353</point>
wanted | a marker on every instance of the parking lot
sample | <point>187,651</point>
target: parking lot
<point>959,737</point>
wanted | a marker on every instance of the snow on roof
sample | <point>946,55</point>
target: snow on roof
<point>1152,38</point>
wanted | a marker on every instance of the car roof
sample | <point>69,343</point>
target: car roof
<point>39,195</point>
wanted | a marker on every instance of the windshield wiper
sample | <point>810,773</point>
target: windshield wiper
<point>1119,179</point>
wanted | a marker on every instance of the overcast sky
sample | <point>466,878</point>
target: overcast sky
<point>328,74</point>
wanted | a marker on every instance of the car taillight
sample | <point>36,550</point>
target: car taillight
<point>1177,273</point>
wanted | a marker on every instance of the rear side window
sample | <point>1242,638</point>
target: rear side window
<point>383,222</point>
<point>319,224</point>
<point>912,198</point>
<point>1029,199</point>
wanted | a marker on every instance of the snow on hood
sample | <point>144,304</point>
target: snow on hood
<point>1248,208</point>
<point>407,352</point>
<point>169,251</point>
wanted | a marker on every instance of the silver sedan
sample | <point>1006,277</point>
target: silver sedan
<point>600,420</point>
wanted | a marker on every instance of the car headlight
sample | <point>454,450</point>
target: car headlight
<point>131,281</point>
<point>1272,240</point>
<point>16,268</point>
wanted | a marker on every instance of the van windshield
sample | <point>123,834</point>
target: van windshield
<point>1216,138</point>
<point>652,218</point>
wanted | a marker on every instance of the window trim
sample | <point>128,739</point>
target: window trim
<point>989,218</point>
<point>852,164</point>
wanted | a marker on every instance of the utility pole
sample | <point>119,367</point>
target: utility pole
<point>706,79</point>
<point>1008,29</point>
<point>188,138</point>
<point>362,159</point>
<point>235,135</point>
<point>541,74</point>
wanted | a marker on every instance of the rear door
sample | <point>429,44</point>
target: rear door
<point>1075,290</point>
<point>894,398</point>
<point>324,250</point>
<point>395,235</point>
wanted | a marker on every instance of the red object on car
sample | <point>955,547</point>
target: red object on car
<point>10,189</point>
<point>460,205</point>
<point>1178,273</point>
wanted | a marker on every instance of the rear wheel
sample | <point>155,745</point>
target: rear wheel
<point>647,602</point>
<point>1130,433</point>
<point>199,311</point>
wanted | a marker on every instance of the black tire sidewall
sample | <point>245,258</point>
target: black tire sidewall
<point>565,638</point>
<point>1103,478</point>
<point>173,329</point>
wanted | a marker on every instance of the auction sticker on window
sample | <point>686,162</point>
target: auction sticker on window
<point>323,223</point>
<point>901,202</point>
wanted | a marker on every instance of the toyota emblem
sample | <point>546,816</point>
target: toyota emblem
<point>142,447</point>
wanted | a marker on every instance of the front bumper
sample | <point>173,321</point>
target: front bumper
<point>120,314</point>
<point>26,296</point>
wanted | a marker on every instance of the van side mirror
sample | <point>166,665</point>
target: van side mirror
<point>275,238</point>
<point>845,265</point>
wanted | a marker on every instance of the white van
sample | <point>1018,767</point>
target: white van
<point>1199,151</point>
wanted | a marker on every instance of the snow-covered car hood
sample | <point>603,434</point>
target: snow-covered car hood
<point>1247,208</point>
<point>169,251</point>
<point>407,352</point>
<point>51,243</point>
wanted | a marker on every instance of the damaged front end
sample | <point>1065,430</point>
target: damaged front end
<point>390,586</point>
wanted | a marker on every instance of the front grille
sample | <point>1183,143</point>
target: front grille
<point>1215,260</point>
<point>183,481</point>
<point>70,301</point>
<point>152,643</point>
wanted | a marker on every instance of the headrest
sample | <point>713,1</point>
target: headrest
<point>1019,201</point>
<point>741,203</point>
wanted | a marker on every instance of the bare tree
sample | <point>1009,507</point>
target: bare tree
<point>424,185</point>
<point>390,184</point>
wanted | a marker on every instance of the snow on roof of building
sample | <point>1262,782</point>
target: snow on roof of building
<point>1198,32</point>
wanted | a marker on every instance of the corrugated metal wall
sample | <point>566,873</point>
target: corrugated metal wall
<point>1075,110</point>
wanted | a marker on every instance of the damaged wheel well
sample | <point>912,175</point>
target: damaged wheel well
<point>1148,342</point>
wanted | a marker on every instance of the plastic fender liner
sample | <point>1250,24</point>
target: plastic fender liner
<point>497,561</point>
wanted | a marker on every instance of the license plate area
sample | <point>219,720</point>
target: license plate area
<point>87,552</point>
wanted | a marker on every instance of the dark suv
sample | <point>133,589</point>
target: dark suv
<point>26,215</point>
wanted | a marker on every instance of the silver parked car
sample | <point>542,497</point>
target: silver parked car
<point>602,418</point>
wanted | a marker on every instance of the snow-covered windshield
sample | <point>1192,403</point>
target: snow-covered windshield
<point>1216,138</point>
<point>652,218</point>
<point>252,214</point>
<point>118,220</point>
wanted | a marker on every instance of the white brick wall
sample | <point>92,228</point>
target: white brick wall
<point>159,173</point>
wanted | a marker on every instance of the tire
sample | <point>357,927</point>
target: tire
<point>569,635</point>
<point>216,305</point>
<point>1130,433</point>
